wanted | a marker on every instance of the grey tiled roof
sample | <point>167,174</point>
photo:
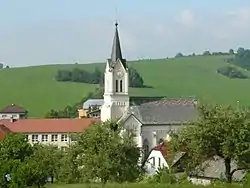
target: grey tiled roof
<point>215,168</point>
<point>165,111</point>
<point>92,102</point>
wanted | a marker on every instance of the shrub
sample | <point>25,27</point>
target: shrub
<point>231,72</point>
<point>163,175</point>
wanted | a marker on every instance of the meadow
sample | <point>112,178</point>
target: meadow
<point>36,89</point>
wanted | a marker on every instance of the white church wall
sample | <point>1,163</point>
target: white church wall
<point>132,123</point>
<point>108,84</point>
<point>120,68</point>
<point>115,102</point>
<point>161,132</point>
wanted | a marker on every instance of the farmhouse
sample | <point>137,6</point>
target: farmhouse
<point>46,131</point>
<point>210,170</point>
<point>149,120</point>
<point>13,111</point>
<point>160,157</point>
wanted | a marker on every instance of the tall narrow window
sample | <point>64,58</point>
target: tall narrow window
<point>120,85</point>
<point>116,86</point>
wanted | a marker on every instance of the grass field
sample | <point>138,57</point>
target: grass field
<point>36,90</point>
<point>143,186</point>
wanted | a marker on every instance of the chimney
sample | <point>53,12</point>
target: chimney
<point>154,142</point>
<point>12,120</point>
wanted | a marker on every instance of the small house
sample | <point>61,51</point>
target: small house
<point>13,111</point>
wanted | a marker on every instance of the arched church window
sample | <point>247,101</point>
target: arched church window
<point>145,147</point>
<point>120,85</point>
<point>116,85</point>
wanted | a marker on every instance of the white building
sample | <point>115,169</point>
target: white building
<point>159,157</point>
<point>46,131</point>
<point>13,111</point>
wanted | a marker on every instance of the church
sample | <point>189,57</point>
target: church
<point>151,121</point>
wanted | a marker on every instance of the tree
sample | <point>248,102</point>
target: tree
<point>179,55</point>
<point>207,53</point>
<point>104,155</point>
<point>231,51</point>
<point>69,171</point>
<point>1,65</point>
<point>240,51</point>
<point>14,151</point>
<point>219,131</point>
<point>96,77</point>
<point>135,80</point>
<point>9,146</point>
<point>25,164</point>
<point>231,72</point>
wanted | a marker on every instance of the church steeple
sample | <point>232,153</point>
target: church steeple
<point>116,83</point>
<point>116,52</point>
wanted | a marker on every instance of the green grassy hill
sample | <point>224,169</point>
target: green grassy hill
<point>36,89</point>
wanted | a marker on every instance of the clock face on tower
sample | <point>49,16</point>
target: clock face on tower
<point>119,73</point>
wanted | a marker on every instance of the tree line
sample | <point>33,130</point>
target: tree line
<point>242,58</point>
<point>206,53</point>
<point>106,153</point>
<point>96,77</point>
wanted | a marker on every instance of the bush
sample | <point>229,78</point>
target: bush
<point>145,185</point>
<point>231,72</point>
<point>246,182</point>
<point>163,176</point>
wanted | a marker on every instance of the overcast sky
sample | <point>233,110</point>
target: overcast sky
<point>61,31</point>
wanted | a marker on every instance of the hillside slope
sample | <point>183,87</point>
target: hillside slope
<point>35,87</point>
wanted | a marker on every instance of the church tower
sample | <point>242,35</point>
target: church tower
<point>116,83</point>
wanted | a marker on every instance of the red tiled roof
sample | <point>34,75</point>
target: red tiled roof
<point>13,108</point>
<point>162,148</point>
<point>4,128</point>
<point>48,125</point>
<point>3,131</point>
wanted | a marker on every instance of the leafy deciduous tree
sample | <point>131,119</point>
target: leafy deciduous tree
<point>104,155</point>
<point>221,131</point>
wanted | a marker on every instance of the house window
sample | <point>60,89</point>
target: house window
<point>120,85</point>
<point>4,116</point>
<point>145,147</point>
<point>159,161</point>
<point>116,85</point>
<point>153,159</point>
<point>54,137</point>
<point>35,138</point>
<point>64,138</point>
<point>45,138</point>
<point>26,137</point>
<point>74,138</point>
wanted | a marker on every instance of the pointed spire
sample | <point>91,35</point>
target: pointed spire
<point>116,52</point>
